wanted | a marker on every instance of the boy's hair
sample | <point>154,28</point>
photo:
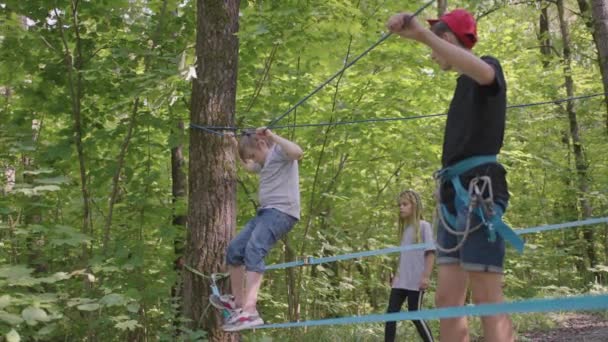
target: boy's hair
<point>439,28</point>
<point>249,141</point>
<point>414,198</point>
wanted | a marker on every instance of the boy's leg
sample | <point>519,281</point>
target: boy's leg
<point>271,227</point>
<point>451,291</point>
<point>487,288</point>
<point>254,281</point>
<point>414,303</point>
<point>237,284</point>
<point>395,301</point>
<point>235,258</point>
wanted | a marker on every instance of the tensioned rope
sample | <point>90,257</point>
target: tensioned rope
<point>331,78</point>
<point>348,65</point>
<point>216,129</point>
<point>575,303</point>
<point>420,246</point>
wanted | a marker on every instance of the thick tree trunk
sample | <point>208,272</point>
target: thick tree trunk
<point>212,173</point>
<point>577,144</point>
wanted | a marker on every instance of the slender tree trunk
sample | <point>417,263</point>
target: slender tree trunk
<point>442,6</point>
<point>544,35</point>
<point>74,67</point>
<point>600,21</point>
<point>595,14</point>
<point>212,173</point>
<point>577,144</point>
<point>116,178</point>
<point>178,190</point>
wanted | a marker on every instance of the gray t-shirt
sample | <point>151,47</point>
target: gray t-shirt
<point>279,183</point>
<point>411,263</point>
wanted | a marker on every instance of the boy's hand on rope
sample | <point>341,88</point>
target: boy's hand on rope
<point>405,25</point>
<point>264,132</point>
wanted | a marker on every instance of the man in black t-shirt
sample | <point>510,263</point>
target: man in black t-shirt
<point>474,131</point>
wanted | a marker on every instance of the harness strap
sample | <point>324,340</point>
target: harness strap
<point>462,200</point>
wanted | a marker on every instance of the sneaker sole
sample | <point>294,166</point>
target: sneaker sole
<point>243,326</point>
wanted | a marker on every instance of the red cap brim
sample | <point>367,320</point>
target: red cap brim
<point>432,21</point>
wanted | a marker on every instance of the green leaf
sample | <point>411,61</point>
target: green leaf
<point>10,318</point>
<point>46,188</point>
<point>5,301</point>
<point>127,325</point>
<point>13,336</point>
<point>15,272</point>
<point>33,315</point>
<point>47,330</point>
<point>89,307</point>
<point>53,180</point>
<point>37,172</point>
<point>133,307</point>
<point>113,299</point>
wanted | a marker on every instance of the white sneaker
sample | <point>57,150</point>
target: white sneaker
<point>243,320</point>
<point>225,302</point>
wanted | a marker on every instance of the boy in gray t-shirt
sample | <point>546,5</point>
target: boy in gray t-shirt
<point>275,159</point>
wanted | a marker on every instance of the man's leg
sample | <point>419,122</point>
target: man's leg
<point>451,291</point>
<point>487,288</point>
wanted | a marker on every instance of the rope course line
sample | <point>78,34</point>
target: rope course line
<point>323,260</point>
<point>215,129</point>
<point>575,303</point>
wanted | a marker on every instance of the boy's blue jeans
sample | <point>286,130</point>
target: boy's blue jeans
<point>252,244</point>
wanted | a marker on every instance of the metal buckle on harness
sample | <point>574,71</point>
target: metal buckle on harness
<point>477,188</point>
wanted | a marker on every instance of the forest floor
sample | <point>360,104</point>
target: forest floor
<point>584,327</point>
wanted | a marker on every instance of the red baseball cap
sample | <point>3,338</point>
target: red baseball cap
<point>462,24</point>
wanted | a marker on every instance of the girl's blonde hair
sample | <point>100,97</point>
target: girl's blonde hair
<point>249,141</point>
<point>414,198</point>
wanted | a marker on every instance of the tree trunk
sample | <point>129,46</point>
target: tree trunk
<point>600,21</point>
<point>577,144</point>
<point>596,19</point>
<point>74,67</point>
<point>442,6</point>
<point>544,35</point>
<point>212,173</point>
<point>178,191</point>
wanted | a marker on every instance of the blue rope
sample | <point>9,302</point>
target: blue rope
<point>590,302</point>
<point>415,117</point>
<point>322,85</point>
<point>420,246</point>
<point>557,226</point>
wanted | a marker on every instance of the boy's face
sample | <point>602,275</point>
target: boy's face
<point>257,154</point>
<point>443,64</point>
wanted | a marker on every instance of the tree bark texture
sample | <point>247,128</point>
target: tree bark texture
<point>212,168</point>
